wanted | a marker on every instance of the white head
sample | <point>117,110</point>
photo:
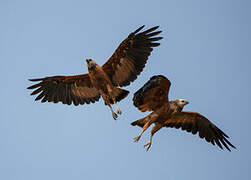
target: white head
<point>91,64</point>
<point>181,102</point>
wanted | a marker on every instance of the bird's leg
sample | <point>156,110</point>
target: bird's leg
<point>114,100</point>
<point>149,143</point>
<point>117,107</point>
<point>108,103</point>
<point>114,115</point>
<point>150,119</point>
<point>154,130</point>
<point>136,139</point>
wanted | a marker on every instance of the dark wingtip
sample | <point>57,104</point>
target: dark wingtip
<point>155,27</point>
<point>137,30</point>
<point>222,137</point>
<point>34,86</point>
<point>230,144</point>
<point>155,44</point>
<point>233,147</point>
<point>159,38</point>
<point>38,79</point>
<point>151,30</point>
<point>227,147</point>
<point>225,141</point>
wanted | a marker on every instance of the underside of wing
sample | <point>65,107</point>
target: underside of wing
<point>153,94</point>
<point>130,57</point>
<point>194,122</point>
<point>66,89</point>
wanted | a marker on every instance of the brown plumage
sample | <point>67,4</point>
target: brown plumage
<point>153,96</point>
<point>123,67</point>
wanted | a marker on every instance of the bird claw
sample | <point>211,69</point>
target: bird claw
<point>118,110</point>
<point>114,115</point>
<point>147,145</point>
<point>136,139</point>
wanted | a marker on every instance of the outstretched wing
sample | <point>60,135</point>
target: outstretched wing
<point>66,89</point>
<point>130,57</point>
<point>153,94</point>
<point>194,122</point>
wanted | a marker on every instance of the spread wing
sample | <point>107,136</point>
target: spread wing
<point>66,89</point>
<point>194,122</point>
<point>153,94</point>
<point>130,57</point>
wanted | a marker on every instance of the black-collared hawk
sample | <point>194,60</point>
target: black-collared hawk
<point>122,68</point>
<point>153,96</point>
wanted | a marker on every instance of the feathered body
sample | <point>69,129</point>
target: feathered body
<point>104,85</point>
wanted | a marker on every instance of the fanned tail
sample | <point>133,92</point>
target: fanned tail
<point>119,95</point>
<point>141,122</point>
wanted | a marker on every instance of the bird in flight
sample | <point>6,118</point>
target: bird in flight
<point>123,67</point>
<point>153,96</point>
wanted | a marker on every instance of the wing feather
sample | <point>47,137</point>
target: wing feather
<point>153,94</point>
<point>66,89</point>
<point>194,122</point>
<point>134,50</point>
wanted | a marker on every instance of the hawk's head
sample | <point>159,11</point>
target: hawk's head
<point>91,64</point>
<point>181,102</point>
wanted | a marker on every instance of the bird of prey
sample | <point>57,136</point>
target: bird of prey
<point>153,96</point>
<point>123,67</point>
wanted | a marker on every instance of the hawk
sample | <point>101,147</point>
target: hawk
<point>122,68</point>
<point>153,96</point>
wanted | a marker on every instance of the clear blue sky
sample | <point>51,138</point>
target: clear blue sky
<point>205,53</point>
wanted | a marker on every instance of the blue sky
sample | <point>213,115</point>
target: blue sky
<point>205,53</point>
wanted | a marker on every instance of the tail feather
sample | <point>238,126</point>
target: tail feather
<point>140,122</point>
<point>119,95</point>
